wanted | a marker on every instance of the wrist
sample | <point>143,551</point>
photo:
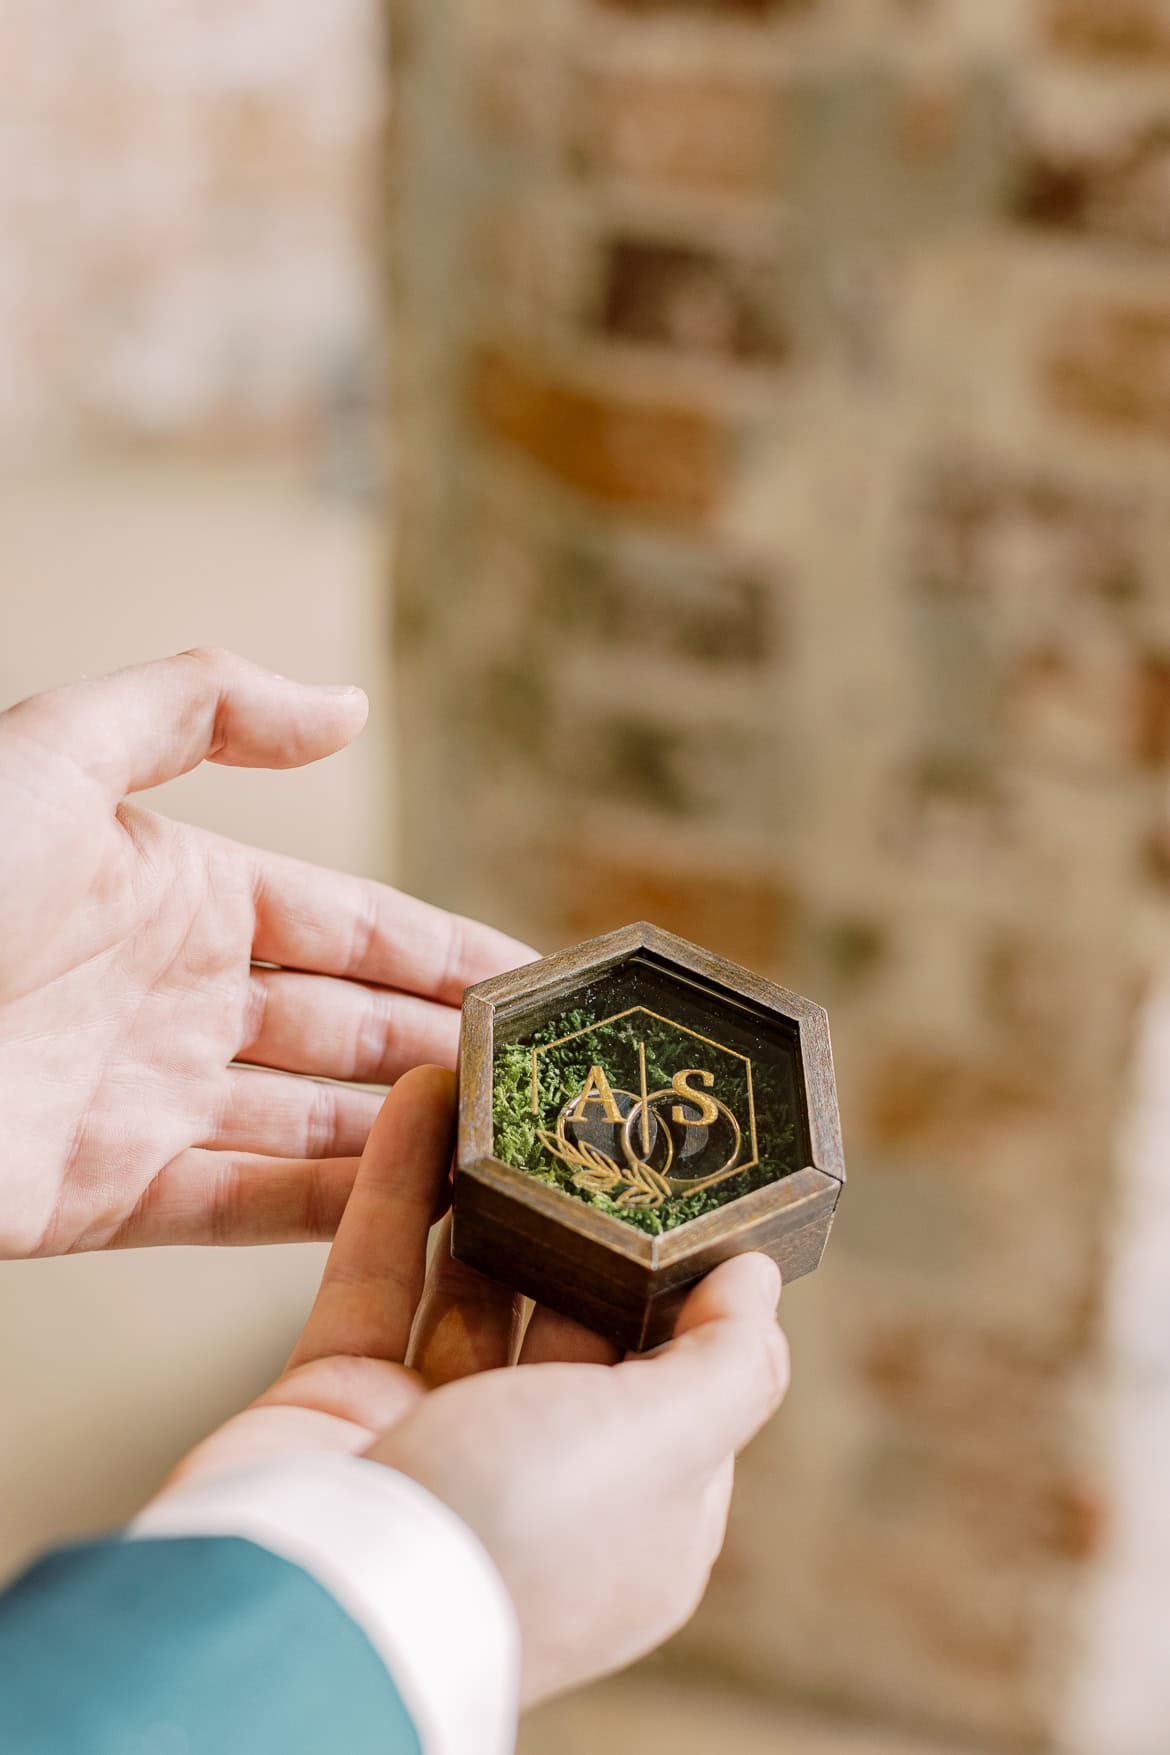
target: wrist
<point>405,1568</point>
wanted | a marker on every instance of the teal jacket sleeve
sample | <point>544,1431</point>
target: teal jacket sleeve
<point>203,1645</point>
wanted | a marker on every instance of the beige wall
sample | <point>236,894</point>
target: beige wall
<point>110,1366</point>
<point>186,206</point>
<point>184,199</point>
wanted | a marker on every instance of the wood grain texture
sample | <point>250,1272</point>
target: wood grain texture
<point>589,1264</point>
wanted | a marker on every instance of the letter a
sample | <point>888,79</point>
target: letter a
<point>597,1090</point>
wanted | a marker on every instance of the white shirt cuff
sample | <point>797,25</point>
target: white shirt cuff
<point>398,1561</point>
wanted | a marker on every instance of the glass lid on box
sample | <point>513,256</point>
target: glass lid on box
<point>650,1094</point>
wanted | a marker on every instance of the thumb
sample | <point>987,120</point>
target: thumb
<point>142,726</point>
<point>699,1400</point>
<point>376,1271</point>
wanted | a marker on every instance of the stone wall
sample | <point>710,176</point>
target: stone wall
<point>784,519</point>
<point>186,202</point>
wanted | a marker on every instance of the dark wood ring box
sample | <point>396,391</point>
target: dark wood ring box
<point>632,1113</point>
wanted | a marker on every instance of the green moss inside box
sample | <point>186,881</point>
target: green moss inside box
<point>557,1097</point>
<point>633,1111</point>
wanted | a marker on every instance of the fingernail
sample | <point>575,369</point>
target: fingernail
<point>339,690</point>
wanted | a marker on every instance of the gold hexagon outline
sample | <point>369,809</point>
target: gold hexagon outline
<point>646,1011</point>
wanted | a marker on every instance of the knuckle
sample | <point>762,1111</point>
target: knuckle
<point>226,1208</point>
<point>373,1036</point>
<point>317,1223</point>
<point>205,672</point>
<point>770,1364</point>
<point>366,931</point>
<point>256,1007</point>
<point>212,658</point>
<point>352,1374</point>
<point>321,1121</point>
<point>456,950</point>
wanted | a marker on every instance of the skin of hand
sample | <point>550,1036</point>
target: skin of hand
<point>600,1489</point>
<point>143,961</point>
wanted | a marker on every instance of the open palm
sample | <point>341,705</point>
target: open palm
<point>143,962</point>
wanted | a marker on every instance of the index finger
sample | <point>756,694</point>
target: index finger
<point>374,1277</point>
<point>152,722</point>
<point>333,924</point>
<point>701,1398</point>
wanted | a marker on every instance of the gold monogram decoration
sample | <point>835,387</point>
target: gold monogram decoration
<point>641,1147</point>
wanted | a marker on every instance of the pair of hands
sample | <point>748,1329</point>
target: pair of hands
<point>599,1488</point>
<point>163,992</point>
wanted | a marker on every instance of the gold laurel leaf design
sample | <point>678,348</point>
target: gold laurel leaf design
<point>647,1189</point>
<point>596,1173</point>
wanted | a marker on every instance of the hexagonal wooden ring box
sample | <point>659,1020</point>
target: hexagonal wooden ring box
<point>632,1113</point>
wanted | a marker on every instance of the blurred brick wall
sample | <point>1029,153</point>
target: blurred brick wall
<point>185,198</point>
<point>784,413</point>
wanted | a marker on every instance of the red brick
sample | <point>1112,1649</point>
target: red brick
<point>724,617</point>
<point>131,175</point>
<point>852,949</point>
<point>690,132</point>
<point>977,521</point>
<point>1113,30</point>
<point>1029,987</point>
<point>694,299</point>
<point>1112,367</point>
<point>512,93</point>
<point>949,808</point>
<point>640,760</point>
<point>663,460</point>
<point>529,254</point>
<point>718,8</point>
<point>749,917</point>
<point>1073,706</point>
<point>1151,731</point>
<point>988,1408</point>
<point>1154,851</point>
<point>623,761</point>
<point>1120,191</point>
<point>947,1372</point>
<point>924,1099</point>
<point>929,122</point>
